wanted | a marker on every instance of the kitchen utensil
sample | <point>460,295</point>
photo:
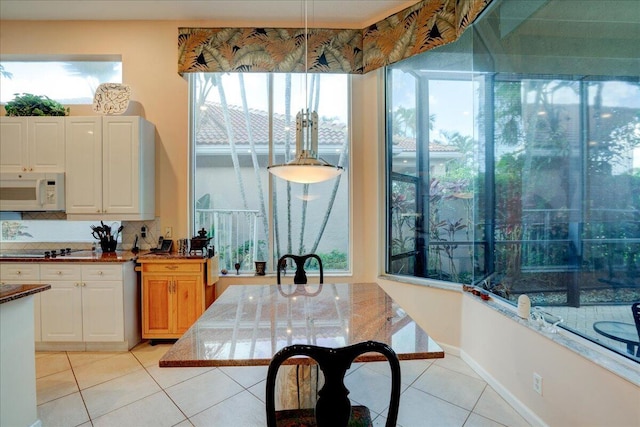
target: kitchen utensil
<point>119,231</point>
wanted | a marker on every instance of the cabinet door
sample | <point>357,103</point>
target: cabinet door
<point>46,144</point>
<point>156,305</point>
<point>83,165</point>
<point>121,165</point>
<point>13,146</point>
<point>61,312</point>
<point>189,303</point>
<point>19,274</point>
<point>102,309</point>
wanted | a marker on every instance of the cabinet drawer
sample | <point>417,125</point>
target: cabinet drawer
<point>172,267</point>
<point>62,271</point>
<point>102,272</point>
<point>22,272</point>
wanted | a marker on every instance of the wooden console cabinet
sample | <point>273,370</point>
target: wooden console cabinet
<point>175,292</point>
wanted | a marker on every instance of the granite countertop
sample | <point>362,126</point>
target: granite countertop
<point>99,256</point>
<point>81,256</point>
<point>14,292</point>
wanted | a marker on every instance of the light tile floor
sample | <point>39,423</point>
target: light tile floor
<point>129,389</point>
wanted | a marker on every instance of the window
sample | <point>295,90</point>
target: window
<point>240,121</point>
<point>16,229</point>
<point>514,159</point>
<point>68,82</point>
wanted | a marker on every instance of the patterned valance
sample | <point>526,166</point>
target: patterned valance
<point>416,29</point>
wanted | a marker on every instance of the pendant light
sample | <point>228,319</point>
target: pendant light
<point>306,167</point>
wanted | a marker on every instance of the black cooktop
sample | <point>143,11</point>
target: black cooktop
<point>37,253</point>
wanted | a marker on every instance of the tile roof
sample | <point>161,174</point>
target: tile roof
<point>213,131</point>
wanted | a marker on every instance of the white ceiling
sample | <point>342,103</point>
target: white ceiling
<point>320,13</point>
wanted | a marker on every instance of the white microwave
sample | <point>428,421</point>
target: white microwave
<point>31,191</point>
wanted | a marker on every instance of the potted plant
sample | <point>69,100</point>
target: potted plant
<point>26,104</point>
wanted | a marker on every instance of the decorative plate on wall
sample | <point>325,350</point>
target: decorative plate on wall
<point>111,98</point>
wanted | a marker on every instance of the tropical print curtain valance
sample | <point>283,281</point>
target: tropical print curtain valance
<point>421,27</point>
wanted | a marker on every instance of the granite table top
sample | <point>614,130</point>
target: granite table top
<point>13,292</point>
<point>248,324</point>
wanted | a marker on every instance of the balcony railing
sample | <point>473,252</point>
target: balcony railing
<point>235,236</point>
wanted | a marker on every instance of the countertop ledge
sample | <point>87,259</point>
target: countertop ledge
<point>81,256</point>
<point>13,292</point>
<point>117,256</point>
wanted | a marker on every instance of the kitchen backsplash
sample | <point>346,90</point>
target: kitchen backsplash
<point>128,235</point>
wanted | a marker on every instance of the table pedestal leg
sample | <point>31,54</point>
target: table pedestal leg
<point>297,386</point>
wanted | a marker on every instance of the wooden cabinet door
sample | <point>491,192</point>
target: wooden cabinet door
<point>188,301</point>
<point>83,183</point>
<point>46,144</point>
<point>102,309</point>
<point>61,312</point>
<point>156,305</point>
<point>13,149</point>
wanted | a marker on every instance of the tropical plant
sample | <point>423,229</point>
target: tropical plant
<point>26,104</point>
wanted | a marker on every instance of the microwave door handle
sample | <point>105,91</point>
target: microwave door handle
<point>38,185</point>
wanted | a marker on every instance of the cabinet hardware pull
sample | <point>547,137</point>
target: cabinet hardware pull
<point>171,266</point>
<point>59,273</point>
<point>100,273</point>
<point>76,284</point>
<point>18,272</point>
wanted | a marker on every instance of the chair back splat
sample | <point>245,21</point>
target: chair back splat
<point>333,408</point>
<point>301,276</point>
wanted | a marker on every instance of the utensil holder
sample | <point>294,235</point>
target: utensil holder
<point>108,245</point>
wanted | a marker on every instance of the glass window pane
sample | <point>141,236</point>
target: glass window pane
<point>550,153</point>
<point>231,128</point>
<point>237,124</point>
<point>68,82</point>
<point>313,218</point>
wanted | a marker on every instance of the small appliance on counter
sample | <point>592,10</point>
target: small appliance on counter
<point>200,243</point>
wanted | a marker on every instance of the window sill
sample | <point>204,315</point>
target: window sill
<point>616,364</point>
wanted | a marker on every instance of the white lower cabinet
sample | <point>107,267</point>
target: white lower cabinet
<point>102,304</point>
<point>24,274</point>
<point>85,303</point>
<point>90,306</point>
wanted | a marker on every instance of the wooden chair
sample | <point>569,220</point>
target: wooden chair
<point>301,276</point>
<point>333,408</point>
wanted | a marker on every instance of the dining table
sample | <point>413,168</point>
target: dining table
<point>248,324</point>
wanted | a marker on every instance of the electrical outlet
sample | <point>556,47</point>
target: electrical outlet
<point>168,232</point>
<point>537,383</point>
<point>143,231</point>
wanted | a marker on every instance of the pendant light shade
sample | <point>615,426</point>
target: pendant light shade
<point>306,167</point>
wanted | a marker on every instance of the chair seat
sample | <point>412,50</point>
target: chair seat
<point>360,417</point>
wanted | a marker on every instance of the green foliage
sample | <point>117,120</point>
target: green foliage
<point>26,104</point>
<point>334,260</point>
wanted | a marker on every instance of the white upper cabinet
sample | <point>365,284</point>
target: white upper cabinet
<point>32,144</point>
<point>110,168</point>
<point>83,180</point>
